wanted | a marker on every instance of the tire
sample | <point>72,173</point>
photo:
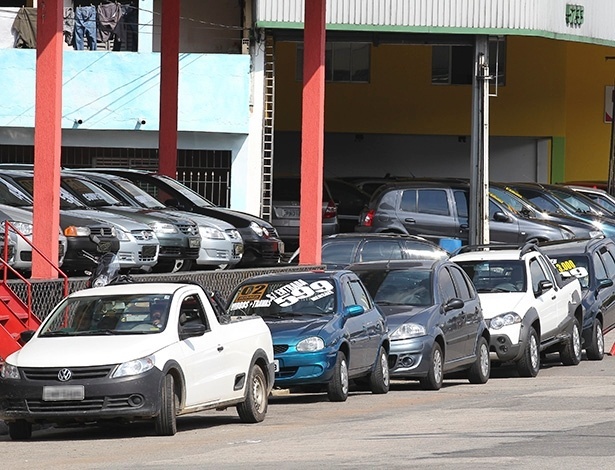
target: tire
<point>337,389</point>
<point>379,379</point>
<point>254,408</point>
<point>20,430</point>
<point>529,364</point>
<point>570,354</point>
<point>481,369</point>
<point>595,349</point>
<point>166,421</point>
<point>435,376</point>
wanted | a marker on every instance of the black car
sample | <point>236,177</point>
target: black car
<point>262,247</point>
<point>436,325</point>
<point>593,262</point>
<point>343,249</point>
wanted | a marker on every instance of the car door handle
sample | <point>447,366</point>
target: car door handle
<point>409,220</point>
<point>464,226</point>
<point>220,348</point>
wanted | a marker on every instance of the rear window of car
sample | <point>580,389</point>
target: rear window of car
<point>289,189</point>
<point>339,252</point>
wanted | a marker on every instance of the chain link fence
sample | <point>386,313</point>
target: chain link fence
<point>46,294</point>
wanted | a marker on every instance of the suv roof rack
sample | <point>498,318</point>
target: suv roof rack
<point>525,248</point>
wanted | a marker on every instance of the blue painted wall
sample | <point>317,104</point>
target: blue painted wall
<point>113,90</point>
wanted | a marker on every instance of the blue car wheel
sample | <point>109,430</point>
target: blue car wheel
<point>337,390</point>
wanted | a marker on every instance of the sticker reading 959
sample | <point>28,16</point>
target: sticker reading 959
<point>293,292</point>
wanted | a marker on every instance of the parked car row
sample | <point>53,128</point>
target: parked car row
<point>105,211</point>
<point>421,317</point>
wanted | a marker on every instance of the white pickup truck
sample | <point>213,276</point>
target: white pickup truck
<point>142,351</point>
<point>529,307</point>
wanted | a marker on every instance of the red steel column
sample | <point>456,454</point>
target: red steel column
<point>169,87</point>
<point>312,132</point>
<point>47,136</point>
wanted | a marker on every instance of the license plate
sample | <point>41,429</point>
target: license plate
<point>237,249</point>
<point>276,365</point>
<point>195,242</point>
<point>64,393</point>
<point>148,251</point>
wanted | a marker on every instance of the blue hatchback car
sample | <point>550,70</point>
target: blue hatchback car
<point>326,330</point>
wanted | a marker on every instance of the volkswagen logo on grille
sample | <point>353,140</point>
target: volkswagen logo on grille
<point>64,375</point>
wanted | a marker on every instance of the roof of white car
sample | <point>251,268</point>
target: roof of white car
<point>133,288</point>
<point>483,255</point>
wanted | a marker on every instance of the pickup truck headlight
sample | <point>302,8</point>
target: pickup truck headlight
<point>211,233</point>
<point>136,367</point>
<point>8,371</point>
<point>311,344</point>
<point>408,330</point>
<point>503,320</point>
<point>159,227</point>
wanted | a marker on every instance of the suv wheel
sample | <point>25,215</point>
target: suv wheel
<point>529,364</point>
<point>570,354</point>
<point>595,349</point>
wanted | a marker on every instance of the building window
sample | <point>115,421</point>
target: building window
<point>344,62</point>
<point>454,65</point>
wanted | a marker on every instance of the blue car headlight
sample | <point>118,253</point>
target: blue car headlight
<point>409,330</point>
<point>311,344</point>
<point>503,320</point>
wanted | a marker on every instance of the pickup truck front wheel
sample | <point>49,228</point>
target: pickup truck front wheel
<point>254,408</point>
<point>570,354</point>
<point>529,364</point>
<point>166,421</point>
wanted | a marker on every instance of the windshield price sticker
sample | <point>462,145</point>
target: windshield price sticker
<point>251,292</point>
<point>295,291</point>
<point>568,268</point>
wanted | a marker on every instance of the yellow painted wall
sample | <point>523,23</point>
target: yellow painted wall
<point>553,89</point>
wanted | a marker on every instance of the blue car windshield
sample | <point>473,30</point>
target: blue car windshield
<point>284,299</point>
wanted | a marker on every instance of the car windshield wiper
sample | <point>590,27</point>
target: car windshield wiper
<point>56,333</point>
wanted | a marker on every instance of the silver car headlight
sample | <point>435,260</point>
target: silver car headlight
<point>24,227</point>
<point>567,234</point>
<point>596,234</point>
<point>506,319</point>
<point>136,367</point>
<point>408,330</point>
<point>74,231</point>
<point>8,371</point>
<point>311,344</point>
<point>211,233</point>
<point>121,235</point>
<point>159,227</point>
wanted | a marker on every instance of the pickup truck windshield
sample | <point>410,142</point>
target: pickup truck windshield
<point>125,314</point>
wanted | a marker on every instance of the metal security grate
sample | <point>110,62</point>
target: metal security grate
<point>208,172</point>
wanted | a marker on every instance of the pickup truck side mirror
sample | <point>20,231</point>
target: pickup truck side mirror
<point>26,336</point>
<point>191,330</point>
<point>453,304</point>
<point>544,286</point>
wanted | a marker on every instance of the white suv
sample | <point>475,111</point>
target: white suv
<point>528,306</point>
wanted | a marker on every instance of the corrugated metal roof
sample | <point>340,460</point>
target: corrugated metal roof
<point>525,17</point>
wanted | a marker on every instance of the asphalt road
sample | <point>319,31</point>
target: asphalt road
<point>564,418</point>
